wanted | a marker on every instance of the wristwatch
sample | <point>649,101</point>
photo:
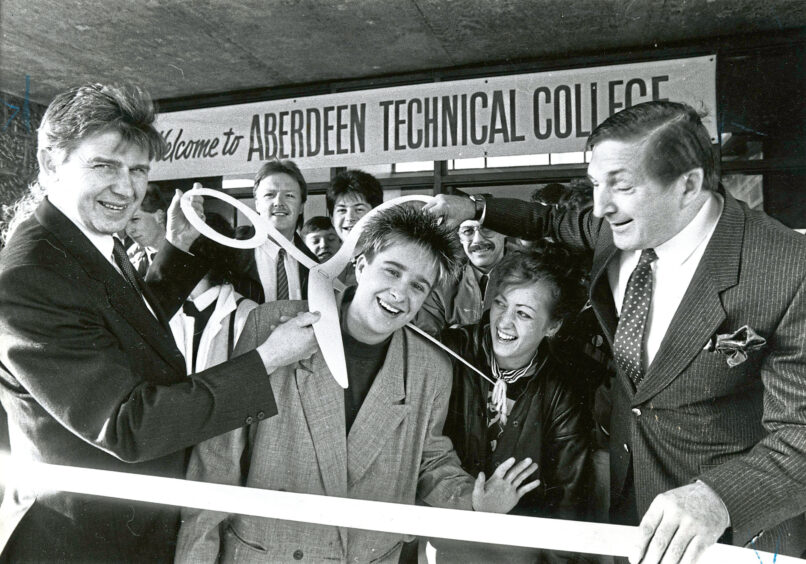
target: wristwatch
<point>480,204</point>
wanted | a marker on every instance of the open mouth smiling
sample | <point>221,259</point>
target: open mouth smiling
<point>385,306</point>
<point>505,337</point>
<point>112,207</point>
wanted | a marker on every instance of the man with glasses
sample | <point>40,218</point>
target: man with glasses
<point>462,301</point>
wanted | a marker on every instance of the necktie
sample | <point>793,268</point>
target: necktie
<point>142,266</point>
<point>282,278</point>
<point>628,347</point>
<point>483,285</point>
<point>200,319</point>
<point>122,260</point>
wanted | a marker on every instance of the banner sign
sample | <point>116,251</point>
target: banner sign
<point>548,112</point>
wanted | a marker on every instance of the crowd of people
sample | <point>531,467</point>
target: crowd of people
<point>636,358</point>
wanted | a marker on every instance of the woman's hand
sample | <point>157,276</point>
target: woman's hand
<point>502,491</point>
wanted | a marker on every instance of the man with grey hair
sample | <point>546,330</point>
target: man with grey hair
<point>89,373</point>
<point>704,303</point>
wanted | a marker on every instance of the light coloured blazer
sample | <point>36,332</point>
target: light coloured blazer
<point>395,452</point>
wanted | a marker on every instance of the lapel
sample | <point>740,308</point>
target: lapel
<point>601,295</point>
<point>322,402</point>
<point>122,297</point>
<point>700,312</point>
<point>382,412</point>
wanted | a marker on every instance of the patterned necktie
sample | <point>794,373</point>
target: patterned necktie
<point>282,278</point>
<point>122,260</point>
<point>628,347</point>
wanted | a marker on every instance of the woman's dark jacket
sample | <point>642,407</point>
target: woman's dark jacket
<point>548,423</point>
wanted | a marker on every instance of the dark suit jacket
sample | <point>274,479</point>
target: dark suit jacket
<point>741,430</point>
<point>89,377</point>
<point>248,284</point>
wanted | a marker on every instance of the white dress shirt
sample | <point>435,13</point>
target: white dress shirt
<point>678,258</point>
<point>266,259</point>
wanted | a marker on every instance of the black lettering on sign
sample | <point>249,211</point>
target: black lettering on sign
<point>313,121</point>
<point>385,105</point>
<point>328,127</point>
<point>358,119</point>
<point>480,139</point>
<point>546,94</point>
<point>656,82</point>
<point>449,121</point>
<point>415,105</point>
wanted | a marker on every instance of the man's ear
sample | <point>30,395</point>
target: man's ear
<point>47,162</point>
<point>360,265</point>
<point>692,182</point>
<point>159,217</point>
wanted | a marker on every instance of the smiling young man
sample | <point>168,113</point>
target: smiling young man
<point>320,237</point>
<point>380,439</point>
<point>685,279</point>
<point>464,300</point>
<point>89,372</point>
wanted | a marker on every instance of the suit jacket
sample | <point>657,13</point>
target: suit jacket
<point>248,284</point>
<point>89,377</point>
<point>741,430</point>
<point>394,452</point>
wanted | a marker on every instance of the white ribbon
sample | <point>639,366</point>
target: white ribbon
<point>511,530</point>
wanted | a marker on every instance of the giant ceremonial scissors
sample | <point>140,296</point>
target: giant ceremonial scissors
<point>323,279</point>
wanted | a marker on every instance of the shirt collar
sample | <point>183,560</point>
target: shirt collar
<point>104,243</point>
<point>207,297</point>
<point>679,248</point>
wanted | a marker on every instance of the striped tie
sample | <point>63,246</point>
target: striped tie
<point>282,278</point>
<point>122,260</point>
<point>628,346</point>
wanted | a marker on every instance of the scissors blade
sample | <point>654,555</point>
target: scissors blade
<point>328,329</point>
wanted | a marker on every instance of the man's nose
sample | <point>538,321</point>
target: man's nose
<point>123,184</point>
<point>602,202</point>
<point>477,236</point>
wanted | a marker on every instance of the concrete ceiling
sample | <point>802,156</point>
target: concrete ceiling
<point>190,48</point>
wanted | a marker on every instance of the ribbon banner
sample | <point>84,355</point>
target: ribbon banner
<point>510,530</point>
<point>547,112</point>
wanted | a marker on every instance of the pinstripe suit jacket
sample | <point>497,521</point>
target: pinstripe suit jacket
<point>394,452</point>
<point>741,430</point>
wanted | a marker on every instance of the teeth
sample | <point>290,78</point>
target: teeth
<point>504,336</point>
<point>389,308</point>
<point>112,206</point>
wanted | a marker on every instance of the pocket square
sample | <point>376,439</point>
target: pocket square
<point>735,346</point>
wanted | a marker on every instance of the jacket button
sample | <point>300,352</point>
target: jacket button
<point>298,554</point>
<point>636,412</point>
<point>515,424</point>
<point>248,420</point>
<point>626,448</point>
<point>261,415</point>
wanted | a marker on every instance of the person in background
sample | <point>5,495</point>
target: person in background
<point>704,303</point>
<point>533,410</point>
<point>320,237</point>
<point>351,194</point>
<point>90,375</point>
<point>147,229</point>
<point>212,318</point>
<point>380,439</point>
<point>463,301</point>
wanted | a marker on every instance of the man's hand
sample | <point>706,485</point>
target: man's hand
<point>178,230</point>
<point>290,341</point>
<point>502,491</point>
<point>680,524</point>
<point>452,209</point>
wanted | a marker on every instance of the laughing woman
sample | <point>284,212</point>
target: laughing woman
<point>532,410</point>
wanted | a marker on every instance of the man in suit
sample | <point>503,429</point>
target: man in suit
<point>380,439</point>
<point>147,229</point>
<point>704,303</point>
<point>89,373</point>
<point>268,273</point>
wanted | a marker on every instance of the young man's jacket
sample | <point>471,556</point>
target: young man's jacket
<point>395,452</point>
<point>741,429</point>
<point>90,377</point>
<point>548,424</point>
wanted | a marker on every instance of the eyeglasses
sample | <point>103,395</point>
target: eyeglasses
<point>468,232</point>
